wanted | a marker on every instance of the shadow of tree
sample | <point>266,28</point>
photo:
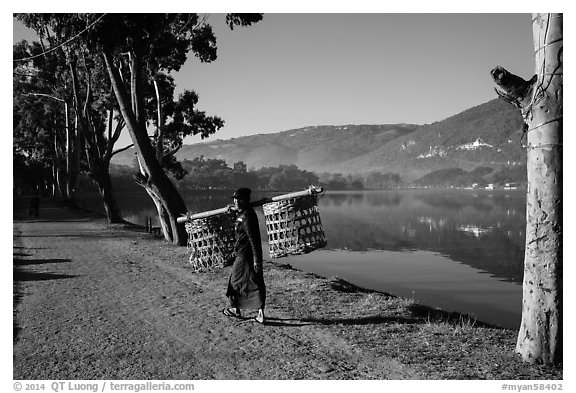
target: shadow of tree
<point>24,262</point>
<point>420,314</point>
<point>21,254</point>
<point>20,275</point>
<point>370,320</point>
<point>290,322</point>
<point>340,285</point>
<point>430,314</point>
<point>16,299</point>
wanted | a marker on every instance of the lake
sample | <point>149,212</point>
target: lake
<point>459,250</point>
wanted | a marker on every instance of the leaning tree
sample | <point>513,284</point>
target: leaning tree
<point>148,45</point>
<point>540,100</point>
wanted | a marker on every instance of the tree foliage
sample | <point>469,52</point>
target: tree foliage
<point>215,174</point>
<point>134,54</point>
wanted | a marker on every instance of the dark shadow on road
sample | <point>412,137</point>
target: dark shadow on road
<point>284,322</point>
<point>291,322</point>
<point>73,235</point>
<point>24,262</point>
<point>21,254</point>
<point>21,274</point>
<point>16,299</point>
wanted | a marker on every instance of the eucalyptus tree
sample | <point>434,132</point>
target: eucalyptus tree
<point>540,100</point>
<point>150,46</point>
<point>39,121</point>
<point>37,145</point>
<point>139,52</point>
<point>81,79</point>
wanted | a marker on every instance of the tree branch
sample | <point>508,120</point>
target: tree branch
<point>173,150</point>
<point>160,129</point>
<point>122,149</point>
<point>118,130</point>
<point>44,95</point>
<point>140,179</point>
<point>515,90</point>
<point>109,126</point>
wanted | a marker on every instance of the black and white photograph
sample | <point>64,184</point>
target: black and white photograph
<point>268,199</point>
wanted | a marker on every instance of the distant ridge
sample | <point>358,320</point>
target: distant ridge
<point>485,135</point>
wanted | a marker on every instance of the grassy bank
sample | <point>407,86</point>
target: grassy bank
<point>439,344</point>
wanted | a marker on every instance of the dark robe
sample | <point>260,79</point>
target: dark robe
<point>246,288</point>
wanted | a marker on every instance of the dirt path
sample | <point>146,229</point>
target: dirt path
<point>98,301</point>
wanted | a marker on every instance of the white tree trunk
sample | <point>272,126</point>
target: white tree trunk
<point>540,336</point>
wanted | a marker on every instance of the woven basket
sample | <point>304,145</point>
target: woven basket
<point>211,241</point>
<point>294,226</point>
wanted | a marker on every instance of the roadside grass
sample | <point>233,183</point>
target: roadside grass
<point>436,344</point>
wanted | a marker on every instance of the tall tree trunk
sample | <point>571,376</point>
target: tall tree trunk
<point>102,177</point>
<point>540,337</point>
<point>71,172</point>
<point>78,148</point>
<point>100,173</point>
<point>55,187</point>
<point>155,180</point>
<point>59,172</point>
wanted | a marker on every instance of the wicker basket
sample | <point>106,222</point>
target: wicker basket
<point>211,241</point>
<point>294,226</point>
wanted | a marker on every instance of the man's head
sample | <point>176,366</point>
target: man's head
<point>241,198</point>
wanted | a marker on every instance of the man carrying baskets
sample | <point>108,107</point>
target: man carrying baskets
<point>246,288</point>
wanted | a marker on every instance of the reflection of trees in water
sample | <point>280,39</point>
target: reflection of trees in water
<point>456,202</point>
<point>336,199</point>
<point>436,222</point>
<point>344,231</point>
<point>478,201</point>
<point>375,199</point>
<point>386,199</point>
<point>491,251</point>
<point>494,253</point>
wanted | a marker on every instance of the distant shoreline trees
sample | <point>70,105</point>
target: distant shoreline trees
<point>212,174</point>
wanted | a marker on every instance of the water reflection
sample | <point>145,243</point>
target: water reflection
<point>483,230</point>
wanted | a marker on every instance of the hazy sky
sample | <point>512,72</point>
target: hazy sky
<point>296,70</point>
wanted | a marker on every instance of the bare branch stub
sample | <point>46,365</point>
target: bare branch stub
<point>515,90</point>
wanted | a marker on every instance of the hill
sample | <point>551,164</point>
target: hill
<point>485,135</point>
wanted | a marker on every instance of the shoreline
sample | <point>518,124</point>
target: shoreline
<point>130,295</point>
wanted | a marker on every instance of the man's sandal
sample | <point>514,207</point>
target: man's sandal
<point>229,313</point>
<point>261,322</point>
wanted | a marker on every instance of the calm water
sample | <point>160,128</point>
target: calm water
<point>460,250</point>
